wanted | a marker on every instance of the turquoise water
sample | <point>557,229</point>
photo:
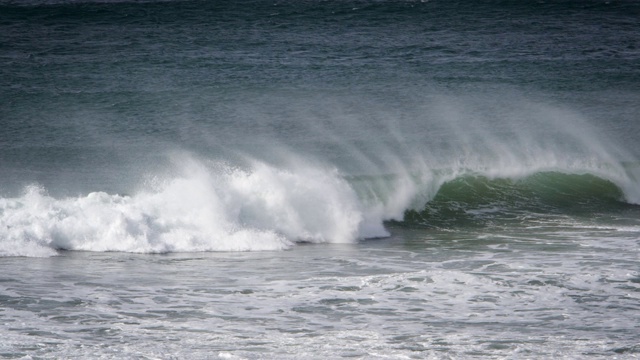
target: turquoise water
<point>319,179</point>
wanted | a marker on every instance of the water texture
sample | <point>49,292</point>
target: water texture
<point>319,179</point>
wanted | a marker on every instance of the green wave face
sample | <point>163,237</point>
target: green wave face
<point>479,201</point>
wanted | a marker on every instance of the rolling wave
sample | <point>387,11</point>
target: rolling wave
<point>479,201</point>
<point>213,206</point>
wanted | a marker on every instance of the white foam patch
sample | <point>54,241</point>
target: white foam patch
<point>217,208</point>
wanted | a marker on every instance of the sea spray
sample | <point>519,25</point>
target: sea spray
<point>359,165</point>
<point>213,206</point>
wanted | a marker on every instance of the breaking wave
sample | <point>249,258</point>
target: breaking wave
<point>214,206</point>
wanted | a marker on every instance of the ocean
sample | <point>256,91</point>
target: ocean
<point>318,179</point>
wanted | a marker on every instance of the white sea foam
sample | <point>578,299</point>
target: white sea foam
<point>205,208</point>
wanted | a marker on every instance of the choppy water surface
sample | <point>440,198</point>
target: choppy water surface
<point>414,295</point>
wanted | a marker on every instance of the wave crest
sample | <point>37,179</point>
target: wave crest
<point>207,208</point>
<point>213,206</point>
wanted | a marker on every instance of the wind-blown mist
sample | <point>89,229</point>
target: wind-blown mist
<point>353,166</point>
